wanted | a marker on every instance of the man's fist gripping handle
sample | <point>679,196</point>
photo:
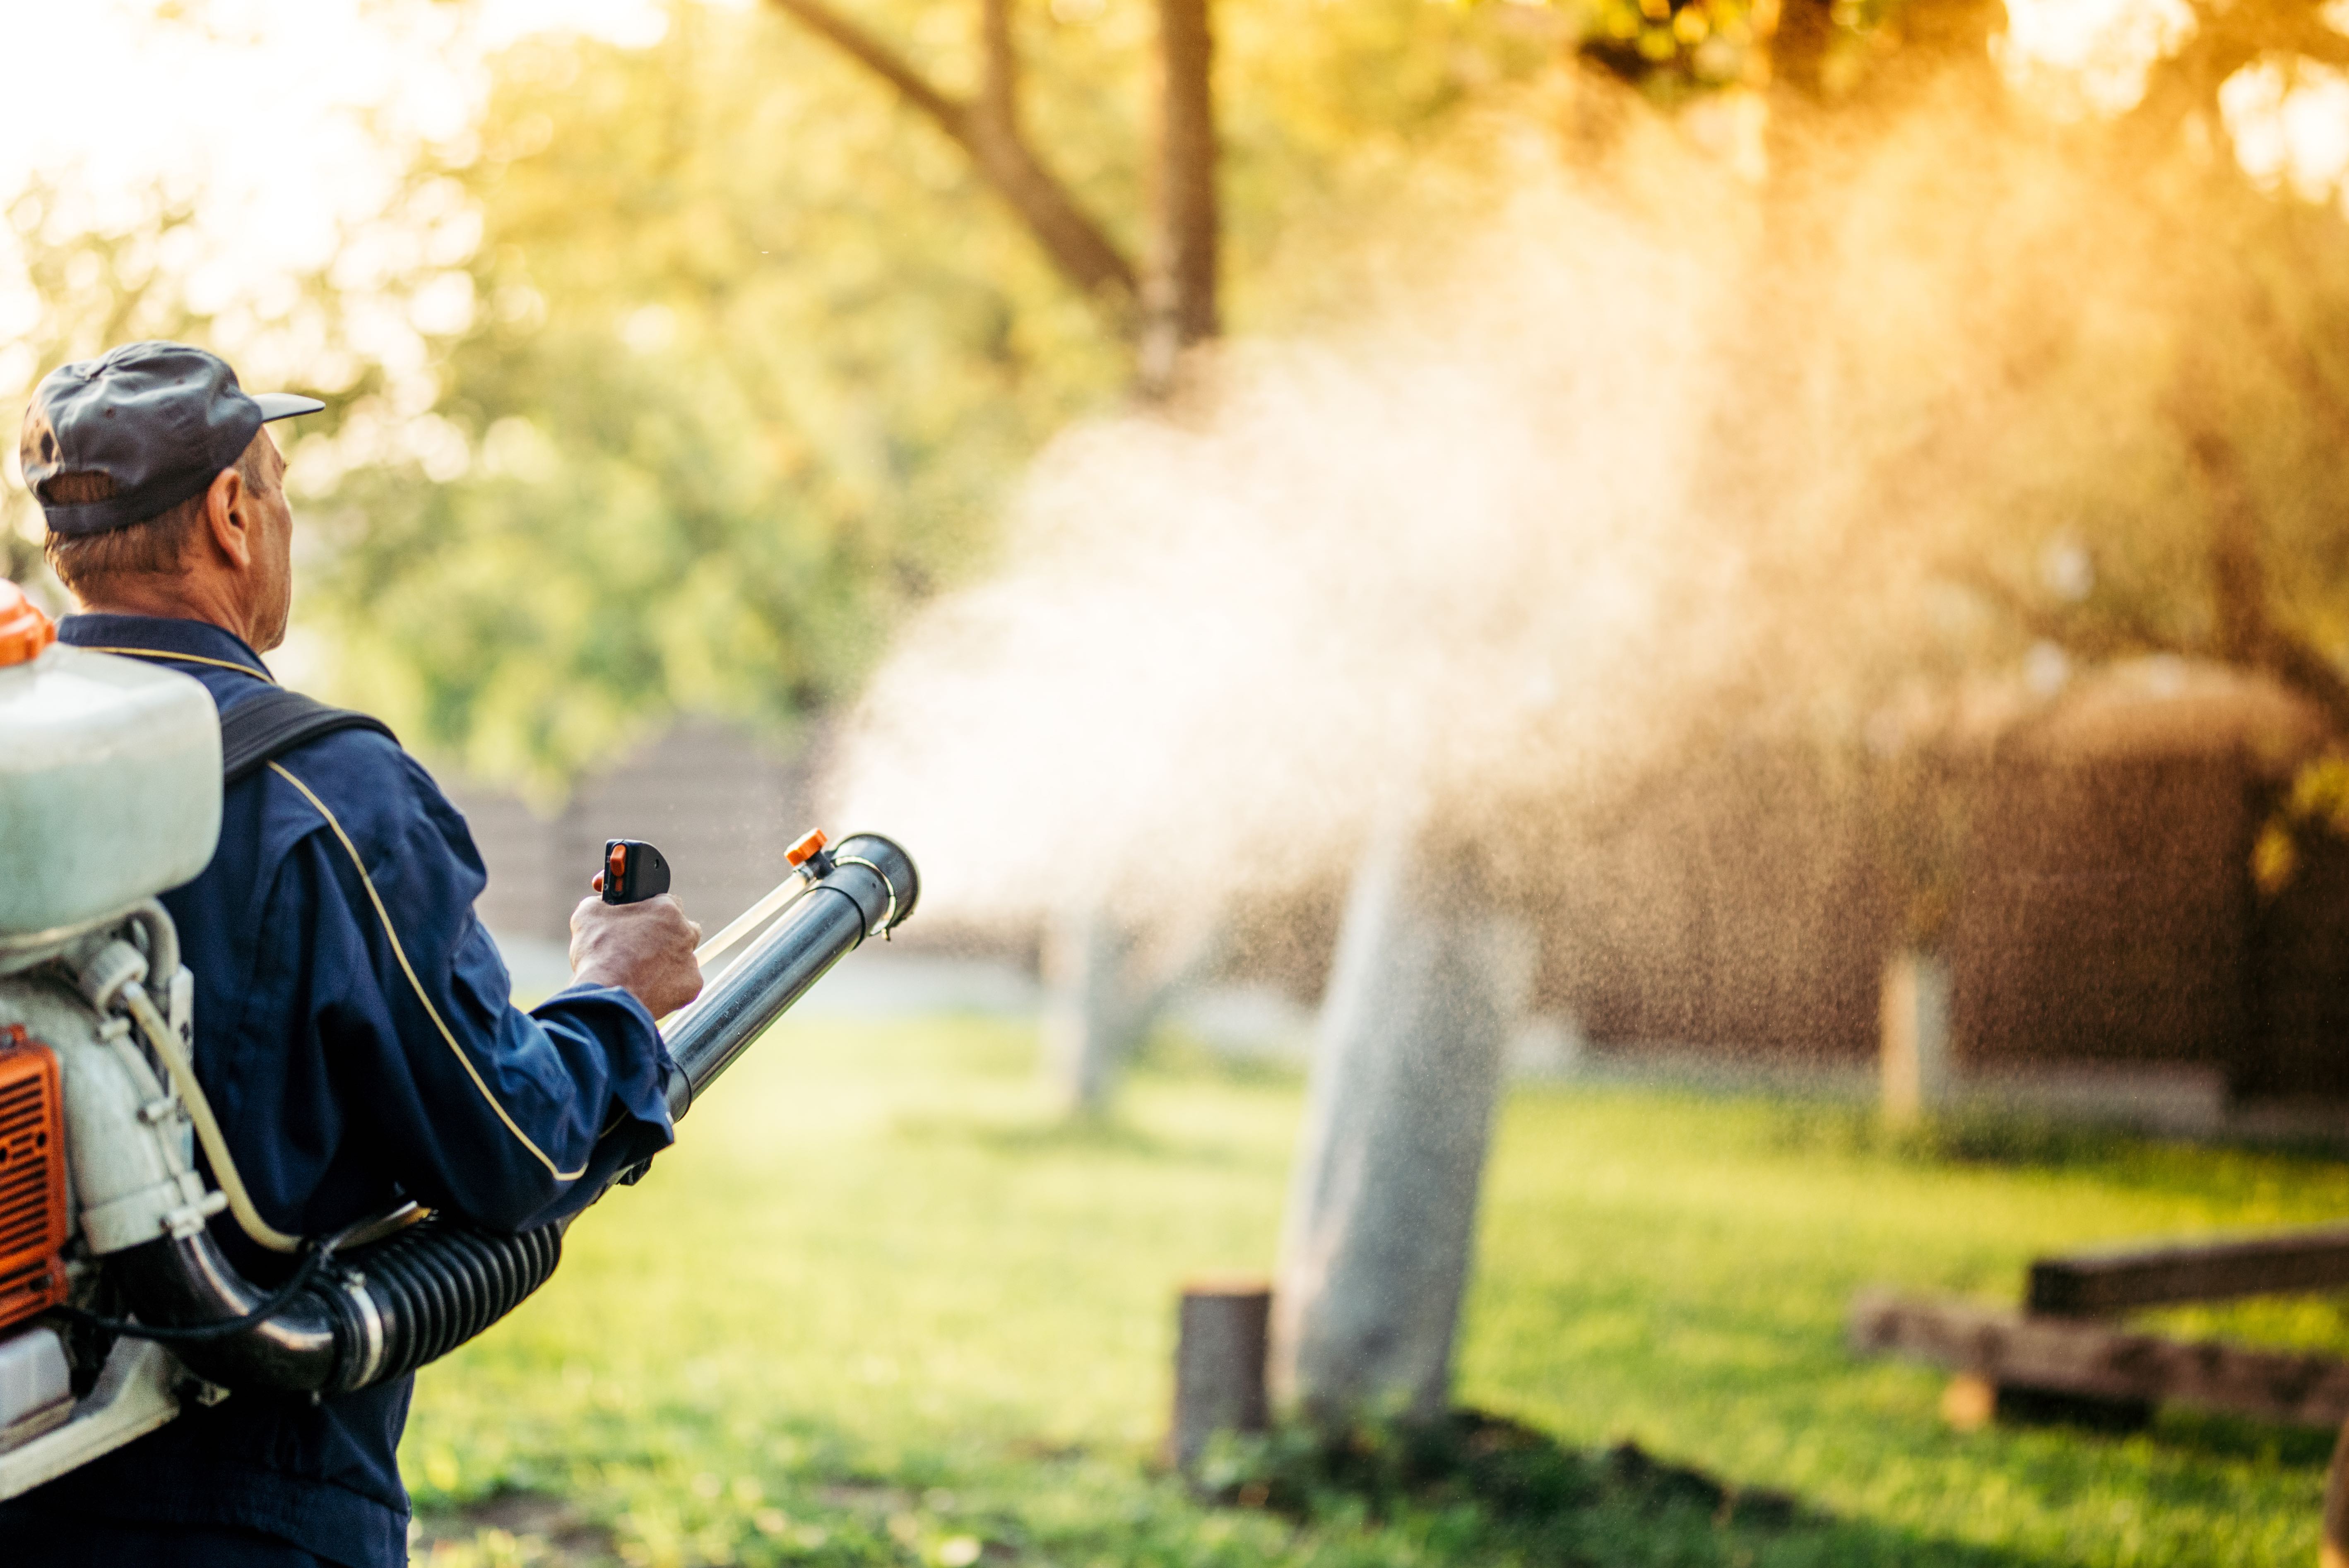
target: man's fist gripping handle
<point>635,935</point>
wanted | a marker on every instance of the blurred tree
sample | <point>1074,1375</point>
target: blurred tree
<point>741,371</point>
<point>1814,51</point>
<point>2252,399</point>
<point>1177,308</point>
<point>2176,125</point>
<point>753,355</point>
<point>2254,408</point>
<point>1407,1068</point>
<point>2182,88</point>
<point>986,125</point>
<point>1181,304</point>
<point>1100,1008</point>
<point>1983,399</point>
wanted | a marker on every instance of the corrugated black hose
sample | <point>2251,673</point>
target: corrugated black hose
<point>350,1318</point>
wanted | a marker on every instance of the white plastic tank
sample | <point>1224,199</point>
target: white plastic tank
<point>110,777</point>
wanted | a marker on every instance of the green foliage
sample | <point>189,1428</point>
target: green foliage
<point>747,365</point>
<point>872,1311</point>
<point>755,356</point>
<point>2315,805</point>
<point>1673,48</point>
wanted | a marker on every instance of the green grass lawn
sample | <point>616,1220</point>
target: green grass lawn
<point>876,1307</point>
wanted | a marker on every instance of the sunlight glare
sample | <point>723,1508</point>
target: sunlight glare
<point>330,99</point>
<point>2097,49</point>
<point>2291,128</point>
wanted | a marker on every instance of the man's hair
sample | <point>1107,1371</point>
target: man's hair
<point>150,549</point>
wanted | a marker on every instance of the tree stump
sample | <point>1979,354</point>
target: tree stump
<point>1219,1359</point>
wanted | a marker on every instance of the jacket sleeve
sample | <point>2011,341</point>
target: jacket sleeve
<point>509,1119</point>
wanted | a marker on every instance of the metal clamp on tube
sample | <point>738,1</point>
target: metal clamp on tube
<point>865,886</point>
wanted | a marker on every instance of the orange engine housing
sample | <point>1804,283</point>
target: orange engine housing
<point>32,1177</point>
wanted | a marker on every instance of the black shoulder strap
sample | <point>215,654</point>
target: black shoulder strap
<point>272,723</point>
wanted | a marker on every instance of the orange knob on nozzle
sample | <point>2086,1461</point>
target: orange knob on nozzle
<point>806,849</point>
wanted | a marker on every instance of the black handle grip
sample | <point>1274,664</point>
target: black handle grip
<point>633,872</point>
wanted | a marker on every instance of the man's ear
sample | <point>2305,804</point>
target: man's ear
<point>229,518</point>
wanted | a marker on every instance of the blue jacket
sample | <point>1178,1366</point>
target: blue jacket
<point>355,1035</point>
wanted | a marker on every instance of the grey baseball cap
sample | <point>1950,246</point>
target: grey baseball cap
<point>159,421</point>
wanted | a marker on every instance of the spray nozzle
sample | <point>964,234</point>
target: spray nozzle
<point>809,858</point>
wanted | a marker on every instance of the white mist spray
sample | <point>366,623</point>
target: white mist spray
<point>1454,558</point>
<point>1660,457</point>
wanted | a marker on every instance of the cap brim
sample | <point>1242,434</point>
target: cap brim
<point>285,404</point>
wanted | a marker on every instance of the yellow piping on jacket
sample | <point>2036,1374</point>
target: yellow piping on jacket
<point>158,654</point>
<point>401,954</point>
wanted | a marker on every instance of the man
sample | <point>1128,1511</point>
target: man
<point>353,1030</point>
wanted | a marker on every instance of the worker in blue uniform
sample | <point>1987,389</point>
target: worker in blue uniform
<point>353,1026</point>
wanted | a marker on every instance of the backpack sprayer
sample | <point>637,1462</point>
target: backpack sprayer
<point>111,781</point>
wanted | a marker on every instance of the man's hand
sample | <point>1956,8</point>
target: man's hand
<point>645,949</point>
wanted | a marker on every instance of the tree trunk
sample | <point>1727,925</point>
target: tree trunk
<point>2239,593</point>
<point>1106,986</point>
<point>1382,1206</point>
<point>1798,50</point>
<point>1181,306</point>
<point>1086,1017</point>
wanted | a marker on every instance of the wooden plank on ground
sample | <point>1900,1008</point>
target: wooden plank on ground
<point>2097,1360</point>
<point>2085,1284</point>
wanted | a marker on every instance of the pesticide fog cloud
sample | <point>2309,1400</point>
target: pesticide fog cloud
<point>1653,452</point>
<point>1420,560</point>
